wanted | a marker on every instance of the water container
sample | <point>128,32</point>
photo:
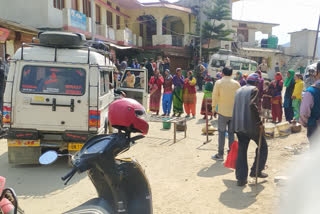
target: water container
<point>165,124</point>
<point>284,129</point>
<point>264,43</point>
<point>269,130</point>
<point>273,42</point>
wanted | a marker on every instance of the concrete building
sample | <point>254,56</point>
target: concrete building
<point>155,28</point>
<point>302,43</point>
<point>248,46</point>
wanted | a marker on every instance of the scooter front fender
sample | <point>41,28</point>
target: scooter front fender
<point>136,186</point>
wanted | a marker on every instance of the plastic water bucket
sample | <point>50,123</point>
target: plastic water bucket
<point>269,130</point>
<point>284,129</point>
<point>165,124</point>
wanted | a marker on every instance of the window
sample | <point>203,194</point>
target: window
<point>53,80</point>
<point>118,8</point>
<point>243,35</point>
<point>141,29</point>
<point>235,65</point>
<point>245,66</point>
<point>135,80</point>
<point>98,14</point>
<point>74,4</point>
<point>59,4</point>
<point>218,63</point>
<point>118,23</point>
<point>253,67</point>
<point>86,7</point>
<point>242,25</point>
<point>109,19</point>
<point>109,3</point>
<point>104,82</point>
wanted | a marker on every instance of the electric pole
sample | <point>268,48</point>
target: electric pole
<point>200,20</point>
<point>93,29</point>
<point>316,43</point>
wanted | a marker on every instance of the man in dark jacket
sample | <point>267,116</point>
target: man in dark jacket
<point>247,125</point>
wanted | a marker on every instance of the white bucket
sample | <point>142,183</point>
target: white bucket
<point>269,130</point>
<point>284,129</point>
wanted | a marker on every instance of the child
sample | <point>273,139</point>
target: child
<point>266,100</point>
<point>297,96</point>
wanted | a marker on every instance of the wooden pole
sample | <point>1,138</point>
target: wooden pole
<point>258,156</point>
<point>207,123</point>
<point>207,131</point>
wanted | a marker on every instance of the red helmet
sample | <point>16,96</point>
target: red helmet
<point>127,114</point>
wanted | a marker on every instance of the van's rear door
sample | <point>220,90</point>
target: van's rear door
<point>134,83</point>
<point>51,97</point>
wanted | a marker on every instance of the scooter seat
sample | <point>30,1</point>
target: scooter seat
<point>93,206</point>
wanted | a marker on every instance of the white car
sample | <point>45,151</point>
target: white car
<point>57,96</point>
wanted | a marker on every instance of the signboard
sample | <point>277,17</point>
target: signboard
<point>78,20</point>
<point>4,33</point>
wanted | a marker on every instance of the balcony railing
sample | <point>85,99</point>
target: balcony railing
<point>101,30</point>
<point>177,41</point>
<point>171,40</point>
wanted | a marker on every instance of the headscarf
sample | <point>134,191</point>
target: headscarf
<point>240,75</point>
<point>278,76</point>
<point>245,76</point>
<point>259,73</point>
<point>253,78</point>
<point>289,79</point>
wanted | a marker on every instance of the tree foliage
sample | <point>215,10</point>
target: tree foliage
<point>214,28</point>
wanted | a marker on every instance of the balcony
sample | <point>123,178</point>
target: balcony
<point>170,40</point>
<point>125,36</point>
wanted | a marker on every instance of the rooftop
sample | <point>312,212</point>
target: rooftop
<point>169,5</point>
<point>18,27</point>
<point>303,31</point>
<point>129,4</point>
<point>256,22</point>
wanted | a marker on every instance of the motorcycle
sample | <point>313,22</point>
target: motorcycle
<point>121,184</point>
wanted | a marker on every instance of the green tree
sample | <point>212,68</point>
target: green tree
<point>214,28</point>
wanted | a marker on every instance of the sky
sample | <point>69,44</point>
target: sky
<point>292,15</point>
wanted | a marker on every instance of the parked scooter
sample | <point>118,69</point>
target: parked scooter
<point>121,184</point>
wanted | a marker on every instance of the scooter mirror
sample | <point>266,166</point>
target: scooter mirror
<point>48,157</point>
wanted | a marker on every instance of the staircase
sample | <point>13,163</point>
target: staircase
<point>293,63</point>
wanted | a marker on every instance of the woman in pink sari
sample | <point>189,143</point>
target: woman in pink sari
<point>155,85</point>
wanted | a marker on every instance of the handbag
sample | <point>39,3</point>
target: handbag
<point>232,156</point>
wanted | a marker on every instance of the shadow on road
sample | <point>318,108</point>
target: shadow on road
<point>36,180</point>
<point>235,197</point>
<point>216,169</point>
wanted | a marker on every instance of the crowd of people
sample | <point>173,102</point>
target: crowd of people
<point>241,102</point>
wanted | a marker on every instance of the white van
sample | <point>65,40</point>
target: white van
<point>224,58</point>
<point>57,96</point>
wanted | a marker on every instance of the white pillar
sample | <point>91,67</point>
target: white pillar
<point>159,26</point>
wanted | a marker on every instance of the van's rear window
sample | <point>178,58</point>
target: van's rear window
<point>53,80</point>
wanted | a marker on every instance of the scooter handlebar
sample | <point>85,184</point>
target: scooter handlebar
<point>69,175</point>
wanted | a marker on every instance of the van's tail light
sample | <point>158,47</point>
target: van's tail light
<point>6,115</point>
<point>94,118</point>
